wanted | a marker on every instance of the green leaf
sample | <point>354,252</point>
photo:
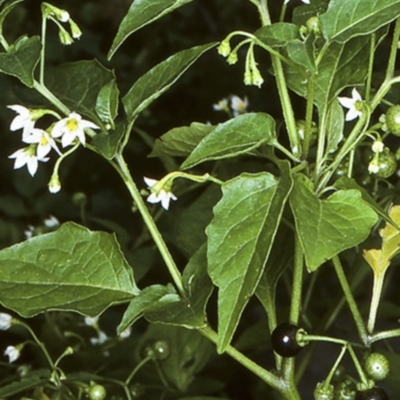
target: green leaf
<point>278,34</point>
<point>278,261</point>
<point>346,19</point>
<point>77,85</point>
<point>140,14</point>
<point>21,59</point>
<point>334,126</point>
<point>328,227</point>
<point>237,136</point>
<point>240,238</point>
<point>189,311</point>
<point>180,141</point>
<point>107,143</point>
<point>72,269</point>
<point>189,352</point>
<point>107,103</point>
<point>146,299</point>
<point>159,79</point>
<point>342,65</point>
<point>302,53</point>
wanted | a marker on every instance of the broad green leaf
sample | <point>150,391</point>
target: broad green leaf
<point>77,85</point>
<point>346,19</point>
<point>5,11</point>
<point>107,143</point>
<point>107,103</point>
<point>140,14</point>
<point>159,79</point>
<point>328,227</point>
<point>349,183</point>
<point>240,238</point>
<point>278,34</point>
<point>21,59</point>
<point>180,141</point>
<point>189,311</point>
<point>334,126</point>
<point>72,269</point>
<point>146,299</point>
<point>237,136</point>
<point>342,65</point>
<point>189,352</point>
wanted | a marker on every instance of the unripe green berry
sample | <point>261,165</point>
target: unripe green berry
<point>97,392</point>
<point>392,120</point>
<point>377,366</point>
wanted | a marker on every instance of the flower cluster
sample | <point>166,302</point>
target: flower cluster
<point>232,105</point>
<point>68,131</point>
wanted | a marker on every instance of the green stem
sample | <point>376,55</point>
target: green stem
<point>393,52</point>
<point>123,170</point>
<point>370,67</point>
<point>43,50</point>
<point>362,331</point>
<point>309,114</point>
<point>384,335</point>
<point>41,88</point>
<point>266,376</point>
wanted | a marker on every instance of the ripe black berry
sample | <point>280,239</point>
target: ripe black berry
<point>374,393</point>
<point>284,340</point>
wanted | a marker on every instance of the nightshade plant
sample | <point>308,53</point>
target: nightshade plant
<point>303,201</point>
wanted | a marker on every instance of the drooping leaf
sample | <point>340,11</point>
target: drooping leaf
<point>107,143</point>
<point>77,85</point>
<point>21,59</point>
<point>334,126</point>
<point>181,141</point>
<point>189,351</point>
<point>140,14</point>
<point>341,66</point>
<point>278,34</point>
<point>159,79</point>
<point>72,269</point>
<point>240,238</point>
<point>237,136</point>
<point>107,103</point>
<point>328,227</point>
<point>345,19</point>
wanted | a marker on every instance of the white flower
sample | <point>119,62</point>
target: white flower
<point>102,338</point>
<point>54,185</point>
<point>159,194</point>
<point>24,120</point>
<point>13,353</point>
<point>125,333</point>
<point>43,140</point>
<point>238,105</point>
<point>29,157</point>
<point>5,321</point>
<point>51,222</point>
<point>222,105</point>
<point>378,146</point>
<point>354,104</point>
<point>92,321</point>
<point>71,128</point>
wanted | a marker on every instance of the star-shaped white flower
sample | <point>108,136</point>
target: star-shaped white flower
<point>24,120</point>
<point>12,352</point>
<point>43,140</point>
<point>28,157</point>
<point>72,128</point>
<point>354,104</point>
<point>159,194</point>
<point>5,321</point>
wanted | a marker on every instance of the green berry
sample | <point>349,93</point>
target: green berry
<point>392,120</point>
<point>377,366</point>
<point>97,392</point>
